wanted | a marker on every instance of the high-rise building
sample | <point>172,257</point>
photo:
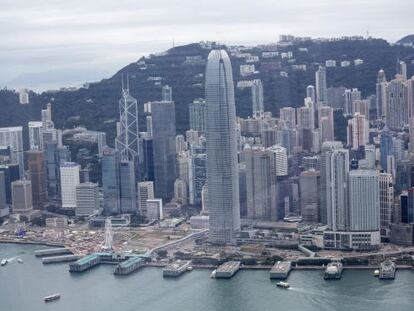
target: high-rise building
<point>4,208</point>
<point>111,181</point>
<point>166,93</point>
<point>386,189</point>
<point>396,104</point>
<point>309,182</point>
<point>357,131</point>
<point>197,177</point>
<point>154,209</point>
<point>13,137</point>
<point>305,118</point>
<point>180,144</point>
<point>69,179</point>
<point>35,164</point>
<point>350,96</point>
<point>163,136</point>
<point>46,116</point>
<point>278,160</point>
<point>288,114</point>
<point>36,135</point>
<point>257,99</point>
<point>87,199</point>
<point>128,189</point>
<point>310,93</point>
<point>21,196</point>
<point>197,111</point>
<point>320,78</point>
<point>145,192</point>
<point>147,159</point>
<point>11,174</point>
<point>326,124</point>
<point>402,66</point>
<point>222,166</point>
<point>180,191</point>
<point>380,88</point>
<point>127,140</point>
<point>386,147</point>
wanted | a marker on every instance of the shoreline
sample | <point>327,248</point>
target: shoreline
<point>25,242</point>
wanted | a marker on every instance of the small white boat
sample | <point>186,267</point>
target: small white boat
<point>52,297</point>
<point>284,285</point>
<point>4,262</point>
<point>20,260</point>
<point>213,274</point>
<point>376,273</point>
<point>190,268</point>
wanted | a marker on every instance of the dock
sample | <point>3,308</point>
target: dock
<point>176,268</point>
<point>85,263</point>
<point>281,270</point>
<point>57,259</point>
<point>131,265</point>
<point>227,270</point>
<point>387,270</point>
<point>333,271</point>
<point>52,252</point>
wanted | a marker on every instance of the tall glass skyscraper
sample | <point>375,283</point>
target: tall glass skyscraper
<point>111,181</point>
<point>222,167</point>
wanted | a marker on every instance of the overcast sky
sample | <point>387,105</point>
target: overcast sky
<point>53,42</point>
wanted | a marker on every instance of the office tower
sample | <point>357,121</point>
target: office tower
<point>87,199</point>
<point>197,112</point>
<point>269,137</point>
<point>145,192</point>
<point>21,196</point>
<point>222,166</point>
<point>259,189</point>
<point>183,166</point>
<point>362,107</point>
<point>111,181</point>
<point>36,135</point>
<point>11,174</point>
<point>350,96</point>
<point>166,93</point>
<point>310,93</point>
<point>326,124</point>
<point>180,191</point>
<point>386,147</point>
<point>278,159</point>
<point>310,163</point>
<point>410,91</point>
<point>305,118</point>
<point>204,200</point>
<point>396,104</point>
<point>411,138</point>
<point>197,177</point>
<point>357,131</point>
<point>407,206</point>
<point>257,99</point>
<point>4,209</point>
<point>163,136</point>
<point>148,121</point>
<point>320,78</point>
<point>326,148</point>
<point>128,189</point>
<point>69,179</point>
<point>402,66</point>
<point>380,89</point>
<point>126,141</point>
<point>335,97</point>
<point>316,141</point>
<point>386,190</point>
<point>191,136</point>
<point>24,96</point>
<point>154,209</point>
<point>54,156</point>
<point>51,135</point>
<point>309,182</point>
<point>371,156</point>
<point>147,172</point>
<point>13,137</point>
<point>46,116</point>
<point>243,189</point>
<point>288,114</point>
<point>35,164</point>
<point>364,201</point>
<point>287,138</point>
<point>180,144</point>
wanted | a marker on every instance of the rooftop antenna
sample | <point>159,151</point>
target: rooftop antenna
<point>122,81</point>
<point>127,82</point>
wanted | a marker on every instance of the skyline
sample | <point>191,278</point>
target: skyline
<point>78,42</point>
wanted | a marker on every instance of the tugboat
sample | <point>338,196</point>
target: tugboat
<point>4,262</point>
<point>52,297</point>
<point>283,285</point>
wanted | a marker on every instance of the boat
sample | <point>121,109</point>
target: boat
<point>190,268</point>
<point>213,274</point>
<point>4,262</point>
<point>20,260</point>
<point>52,297</point>
<point>376,273</point>
<point>333,271</point>
<point>284,285</point>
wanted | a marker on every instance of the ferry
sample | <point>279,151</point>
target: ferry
<point>20,260</point>
<point>52,297</point>
<point>4,262</point>
<point>283,285</point>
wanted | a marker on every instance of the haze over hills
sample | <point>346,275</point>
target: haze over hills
<point>285,76</point>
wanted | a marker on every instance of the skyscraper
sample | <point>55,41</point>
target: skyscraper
<point>163,140</point>
<point>166,93</point>
<point>69,179</point>
<point>35,164</point>
<point>397,104</point>
<point>145,192</point>
<point>326,124</point>
<point>350,96</point>
<point>128,187</point>
<point>128,135</point>
<point>13,137</point>
<point>36,135</point>
<point>380,94</point>
<point>310,93</point>
<point>22,196</point>
<point>386,189</point>
<point>197,110</point>
<point>111,181</point>
<point>320,78</point>
<point>222,166</point>
<point>257,98</point>
<point>357,131</point>
<point>288,114</point>
<point>87,199</point>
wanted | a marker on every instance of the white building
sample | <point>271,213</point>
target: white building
<point>357,131</point>
<point>13,137</point>
<point>278,160</point>
<point>36,135</point>
<point>69,179</point>
<point>24,96</point>
<point>247,70</point>
<point>288,114</point>
<point>145,192</point>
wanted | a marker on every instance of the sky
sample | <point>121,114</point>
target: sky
<point>52,43</point>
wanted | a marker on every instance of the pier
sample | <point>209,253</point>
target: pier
<point>227,270</point>
<point>281,270</point>
<point>333,271</point>
<point>57,259</point>
<point>177,268</point>
<point>52,252</point>
<point>85,263</point>
<point>387,270</point>
<point>131,265</point>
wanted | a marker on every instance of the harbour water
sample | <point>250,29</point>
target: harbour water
<point>23,287</point>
